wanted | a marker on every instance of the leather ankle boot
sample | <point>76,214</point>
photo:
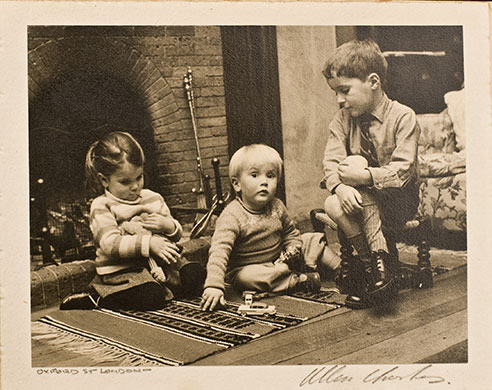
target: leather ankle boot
<point>380,280</point>
<point>344,277</point>
<point>356,286</point>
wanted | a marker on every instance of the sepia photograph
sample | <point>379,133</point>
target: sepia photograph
<point>250,196</point>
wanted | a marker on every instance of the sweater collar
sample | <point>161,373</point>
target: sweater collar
<point>119,200</point>
<point>249,210</point>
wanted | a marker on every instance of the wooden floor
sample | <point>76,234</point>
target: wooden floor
<point>422,326</point>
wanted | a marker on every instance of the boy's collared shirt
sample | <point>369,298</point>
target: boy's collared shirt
<point>394,131</point>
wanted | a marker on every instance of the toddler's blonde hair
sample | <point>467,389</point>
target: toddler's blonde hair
<point>258,154</point>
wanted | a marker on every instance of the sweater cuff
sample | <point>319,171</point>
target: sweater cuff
<point>215,283</point>
<point>176,234</point>
<point>146,245</point>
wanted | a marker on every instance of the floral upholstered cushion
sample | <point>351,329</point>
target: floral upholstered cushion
<point>455,102</point>
<point>442,164</point>
<point>443,199</point>
<point>436,133</point>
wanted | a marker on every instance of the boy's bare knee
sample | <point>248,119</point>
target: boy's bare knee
<point>333,208</point>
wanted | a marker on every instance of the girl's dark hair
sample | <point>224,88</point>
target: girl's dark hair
<point>357,59</point>
<point>104,156</point>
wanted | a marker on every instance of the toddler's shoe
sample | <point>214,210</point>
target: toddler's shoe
<point>309,282</point>
<point>80,301</point>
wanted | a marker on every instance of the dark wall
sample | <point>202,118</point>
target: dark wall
<point>252,88</point>
<point>419,81</point>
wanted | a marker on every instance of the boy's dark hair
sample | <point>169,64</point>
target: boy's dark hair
<point>357,59</point>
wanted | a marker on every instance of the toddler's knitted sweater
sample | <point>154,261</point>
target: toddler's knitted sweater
<point>114,250</point>
<point>243,237</point>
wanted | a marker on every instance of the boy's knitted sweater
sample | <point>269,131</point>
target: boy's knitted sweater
<point>114,250</point>
<point>243,237</point>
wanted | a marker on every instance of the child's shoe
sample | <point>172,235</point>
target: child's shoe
<point>380,278</point>
<point>309,282</point>
<point>355,285</point>
<point>345,276</point>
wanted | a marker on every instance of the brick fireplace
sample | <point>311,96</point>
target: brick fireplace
<point>88,80</point>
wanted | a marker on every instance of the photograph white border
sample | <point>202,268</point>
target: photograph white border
<point>16,371</point>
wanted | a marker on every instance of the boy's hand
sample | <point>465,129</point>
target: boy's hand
<point>158,223</point>
<point>354,176</point>
<point>211,297</point>
<point>164,250</point>
<point>349,198</point>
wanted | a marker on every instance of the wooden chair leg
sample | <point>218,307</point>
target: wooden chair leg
<point>406,275</point>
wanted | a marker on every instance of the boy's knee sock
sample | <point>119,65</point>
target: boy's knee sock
<point>359,242</point>
<point>372,228</point>
<point>370,218</point>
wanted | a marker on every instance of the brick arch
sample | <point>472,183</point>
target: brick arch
<point>50,62</point>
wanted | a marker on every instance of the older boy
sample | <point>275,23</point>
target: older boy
<point>370,167</point>
<point>253,230</point>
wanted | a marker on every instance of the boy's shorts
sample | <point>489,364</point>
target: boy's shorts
<point>397,205</point>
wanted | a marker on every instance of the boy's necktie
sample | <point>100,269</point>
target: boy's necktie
<point>367,149</point>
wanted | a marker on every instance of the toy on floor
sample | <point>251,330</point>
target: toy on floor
<point>255,308</point>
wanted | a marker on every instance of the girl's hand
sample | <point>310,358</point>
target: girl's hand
<point>349,198</point>
<point>164,250</point>
<point>158,274</point>
<point>158,223</point>
<point>211,297</point>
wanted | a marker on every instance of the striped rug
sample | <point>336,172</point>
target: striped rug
<point>179,334</point>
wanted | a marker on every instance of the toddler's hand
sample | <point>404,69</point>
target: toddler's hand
<point>211,297</point>
<point>164,250</point>
<point>158,223</point>
<point>349,198</point>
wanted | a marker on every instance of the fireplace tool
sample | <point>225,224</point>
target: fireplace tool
<point>204,197</point>
<point>219,201</point>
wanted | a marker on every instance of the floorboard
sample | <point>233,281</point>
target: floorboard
<point>414,345</point>
<point>425,326</point>
<point>321,340</point>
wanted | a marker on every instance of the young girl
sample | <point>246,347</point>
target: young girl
<point>134,234</point>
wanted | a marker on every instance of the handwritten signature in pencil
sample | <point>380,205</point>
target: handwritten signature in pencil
<point>341,374</point>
